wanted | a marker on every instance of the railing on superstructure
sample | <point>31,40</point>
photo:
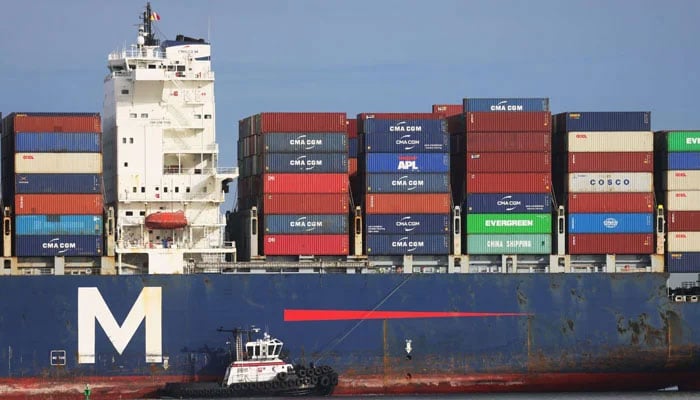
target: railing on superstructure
<point>145,53</point>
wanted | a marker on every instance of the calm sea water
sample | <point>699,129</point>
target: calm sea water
<point>671,395</point>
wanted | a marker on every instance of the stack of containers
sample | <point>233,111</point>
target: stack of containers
<point>610,191</point>
<point>447,110</point>
<point>294,168</point>
<point>508,163</point>
<point>680,169</point>
<point>352,147</point>
<point>405,164</point>
<point>52,171</point>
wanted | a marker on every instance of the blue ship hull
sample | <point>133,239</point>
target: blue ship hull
<point>128,335</point>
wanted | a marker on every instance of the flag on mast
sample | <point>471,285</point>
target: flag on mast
<point>155,16</point>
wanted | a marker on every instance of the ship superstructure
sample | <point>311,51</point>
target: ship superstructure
<point>161,156</point>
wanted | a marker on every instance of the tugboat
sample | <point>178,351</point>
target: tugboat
<point>258,370</point>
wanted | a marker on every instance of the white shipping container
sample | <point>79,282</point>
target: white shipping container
<point>682,180</point>
<point>683,242</point>
<point>58,163</point>
<point>611,141</point>
<point>683,200</point>
<point>629,182</point>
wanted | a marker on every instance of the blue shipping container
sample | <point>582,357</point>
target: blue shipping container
<point>602,121</point>
<point>683,262</point>
<point>506,104</point>
<point>611,223</point>
<point>304,142</point>
<point>58,183</point>
<point>426,138</point>
<point>408,183</point>
<point>58,225</point>
<point>378,244</point>
<point>408,162</point>
<point>59,245</point>
<point>494,203</point>
<point>399,127</point>
<point>58,142</point>
<point>312,224</point>
<point>307,162</point>
<point>415,224</point>
<point>684,160</point>
<point>352,147</point>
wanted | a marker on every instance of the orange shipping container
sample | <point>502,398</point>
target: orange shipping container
<point>53,204</point>
<point>408,203</point>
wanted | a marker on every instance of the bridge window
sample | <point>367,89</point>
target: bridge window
<point>129,213</point>
<point>125,91</point>
<point>144,115</point>
<point>132,115</point>
<point>207,116</point>
<point>142,213</point>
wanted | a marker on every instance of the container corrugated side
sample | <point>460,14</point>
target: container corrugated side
<point>414,224</point>
<point>395,116</point>
<point>58,142</point>
<point>301,122</point>
<point>508,203</point>
<point>305,203</point>
<point>508,122</point>
<point>56,122</point>
<point>58,245</point>
<point>408,183</point>
<point>306,224</point>
<point>58,163</point>
<point>433,141</point>
<point>509,182</point>
<point>447,109</point>
<point>503,104</point>
<point>306,245</point>
<point>353,147</point>
<point>509,244</point>
<point>610,202</point>
<point>299,143</point>
<point>58,204</point>
<point>681,180</point>
<point>58,225</point>
<point>611,182</point>
<point>352,166</point>
<point>683,141</point>
<point>611,162</point>
<point>408,203</point>
<point>509,141</point>
<point>397,127</point>
<point>689,160</point>
<point>611,243</point>
<point>305,183</point>
<point>681,242</point>
<point>683,200</point>
<point>683,262</point>
<point>600,142</point>
<point>407,162</point>
<point>508,223</point>
<point>509,162</point>
<point>603,121</point>
<point>610,223</point>
<point>58,183</point>
<point>683,220</point>
<point>307,162</point>
<point>407,244</point>
<point>352,127</point>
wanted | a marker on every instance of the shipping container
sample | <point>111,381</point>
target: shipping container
<point>684,161</point>
<point>682,242</point>
<point>306,245</point>
<point>380,245</point>
<point>602,121</point>
<point>306,203</point>
<point>509,182</point>
<point>305,183</point>
<point>600,142</point>
<point>307,162</point>
<point>683,141</point>
<point>299,122</point>
<point>508,122</point>
<point>408,183</point>
<point>412,141</point>
<point>683,221</point>
<point>402,126</point>
<point>54,122</point>
<point>407,162</point>
<point>299,143</point>
<point>508,203</point>
<point>611,243</point>
<point>58,163</point>
<point>610,202</point>
<point>509,162</point>
<point>58,142</point>
<point>681,180</point>
<point>611,162</point>
<point>506,104</point>
<point>611,223</point>
<point>58,204</point>
<point>447,109</point>
<point>508,223</point>
<point>509,141</point>
<point>611,182</point>
<point>408,203</point>
<point>683,262</point>
<point>352,166</point>
<point>683,200</point>
<point>509,244</point>
<point>414,224</point>
<point>58,183</point>
<point>58,245</point>
<point>306,224</point>
<point>353,147</point>
<point>352,128</point>
<point>58,225</point>
<point>395,116</point>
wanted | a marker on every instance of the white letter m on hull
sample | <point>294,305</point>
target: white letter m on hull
<point>92,307</point>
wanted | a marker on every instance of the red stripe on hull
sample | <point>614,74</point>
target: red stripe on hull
<point>343,315</point>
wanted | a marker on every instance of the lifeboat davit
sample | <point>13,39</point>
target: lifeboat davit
<point>166,220</point>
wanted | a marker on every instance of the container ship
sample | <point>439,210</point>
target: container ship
<point>487,246</point>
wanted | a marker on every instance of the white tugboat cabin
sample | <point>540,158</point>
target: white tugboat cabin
<point>260,362</point>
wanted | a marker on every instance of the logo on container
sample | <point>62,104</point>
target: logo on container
<point>409,245</point>
<point>581,136</point>
<point>308,144</point>
<point>609,182</point>
<point>407,141</point>
<point>306,224</point>
<point>683,195</point>
<point>402,127</point>
<point>681,174</point>
<point>409,184</point>
<point>305,163</point>
<point>408,224</point>
<point>610,223</point>
<point>509,203</point>
<point>504,106</point>
<point>407,163</point>
<point>692,140</point>
<point>56,244</point>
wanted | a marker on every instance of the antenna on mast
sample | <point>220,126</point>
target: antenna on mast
<point>148,17</point>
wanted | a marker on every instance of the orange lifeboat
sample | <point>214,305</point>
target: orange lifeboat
<point>166,220</point>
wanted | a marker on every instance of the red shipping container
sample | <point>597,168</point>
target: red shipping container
<point>56,122</point>
<point>305,183</point>
<point>289,122</point>
<point>364,116</point>
<point>509,183</point>
<point>352,128</point>
<point>509,141</point>
<point>448,109</point>
<point>612,202</point>
<point>307,203</point>
<point>611,243</point>
<point>509,121</point>
<point>408,203</point>
<point>53,204</point>
<point>683,221</point>
<point>611,162</point>
<point>306,245</point>
<point>509,162</point>
<point>352,166</point>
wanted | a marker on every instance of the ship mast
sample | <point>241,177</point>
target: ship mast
<point>149,37</point>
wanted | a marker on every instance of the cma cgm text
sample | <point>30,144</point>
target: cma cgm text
<point>407,244</point>
<point>405,128</point>
<point>506,107</point>
<point>58,245</point>
<point>306,142</point>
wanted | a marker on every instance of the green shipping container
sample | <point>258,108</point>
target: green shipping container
<point>683,141</point>
<point>508,223</point>
<point>509,244</point>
